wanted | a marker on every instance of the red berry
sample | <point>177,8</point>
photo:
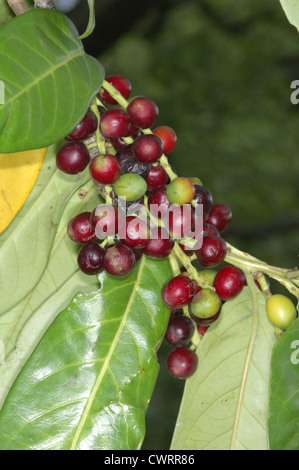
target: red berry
<point>90,258</point>
<point>160,245</point>
<point>85,128</point>
<point>157,201</point>
<point>178,292</point>
<point>212,252</point>
<point>220,216</point>
<point>105,169</point>
<point>147,148</point>
<point>121,83</point>
<point>80,229</point>
<point>202,329</point>
<point>168,137</point>
<point>119,260</point>
<point>156,177</point>
<point>142,112</point>
<point>229,282</point>
<point>136,232</point>
<point>72,158</point>
<point>104,219</point>
<point>204,197</point>
<point>180,221</point>
<point>182,362</point>
<point>114,124</point>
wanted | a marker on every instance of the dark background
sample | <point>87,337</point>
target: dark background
<point>220,72</point>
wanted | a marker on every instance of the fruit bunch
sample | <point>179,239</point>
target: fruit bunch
<point>150,211</point>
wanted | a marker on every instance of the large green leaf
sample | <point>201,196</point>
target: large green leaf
<point>49,80</point>
<point>284,392</point>
<point>41,273</point>
<point>88,383</point>
<point>291,9</point>
<point>225,403</point>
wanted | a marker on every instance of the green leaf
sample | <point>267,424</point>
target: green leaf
<point>88,383</point>
<point>291,9</point>
<point>284,392</point>
<point>5,13</point>
<point>213,415</point>
<point>48,78</point>
<point>41,273</point>
<point>91,20</point>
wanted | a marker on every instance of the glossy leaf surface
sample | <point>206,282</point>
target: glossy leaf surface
<point>284,392</point>
<point>88,382</point>
<point>214,414</point>
<point>47,77</point>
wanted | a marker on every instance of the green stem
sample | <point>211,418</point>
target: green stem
<point>192,271</point>
<point>278,274</point>
<point>100,141</point>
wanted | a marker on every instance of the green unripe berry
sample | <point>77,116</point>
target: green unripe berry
<point>130,186</point>
<point>180,191</point>
<point>281,311</point>
<point>205,304</point>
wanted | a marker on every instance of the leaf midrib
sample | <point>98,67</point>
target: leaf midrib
<point>43,76</point>
<point>107,361</point>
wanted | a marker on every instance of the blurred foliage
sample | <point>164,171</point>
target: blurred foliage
<point>220,73</point>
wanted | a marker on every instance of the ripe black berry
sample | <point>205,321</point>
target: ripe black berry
<point>179,330</point>
<point>90,258</point>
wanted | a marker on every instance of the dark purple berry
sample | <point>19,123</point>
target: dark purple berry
<point>182,362</point>
<point>72,158</point>
<point>179,330</point>
<point>119,260</point>
<point>85,128</point>
<point>90,258</point>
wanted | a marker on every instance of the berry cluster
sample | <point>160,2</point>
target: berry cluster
<point>149,210</point>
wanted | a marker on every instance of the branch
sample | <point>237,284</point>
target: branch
<point>18,6</point>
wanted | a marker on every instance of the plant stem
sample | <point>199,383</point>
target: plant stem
<point>18,6</point>
<point>100,141</point>
<point>192,271</point>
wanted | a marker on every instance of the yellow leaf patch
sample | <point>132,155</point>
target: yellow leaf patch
<point>18,173</point>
